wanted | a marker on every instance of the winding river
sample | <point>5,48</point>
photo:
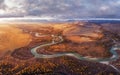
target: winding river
<point>76,55</point>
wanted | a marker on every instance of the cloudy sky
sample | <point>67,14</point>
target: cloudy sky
<point>60,8</point>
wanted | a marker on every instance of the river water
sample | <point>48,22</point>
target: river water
<point>76,55</point>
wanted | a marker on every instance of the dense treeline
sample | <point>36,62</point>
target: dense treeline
<point>56,66</point>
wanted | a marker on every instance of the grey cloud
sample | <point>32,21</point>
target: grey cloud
<point>66,8</point>
<point>2,5</point>
<point>12,8</point>
<point>73,8</point>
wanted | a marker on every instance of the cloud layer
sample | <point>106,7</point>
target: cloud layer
<point>60,8</point>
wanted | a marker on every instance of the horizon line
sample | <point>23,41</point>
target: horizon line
<point>54,19</point>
